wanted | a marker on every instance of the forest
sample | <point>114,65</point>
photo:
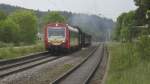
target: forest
<point>97,26</point>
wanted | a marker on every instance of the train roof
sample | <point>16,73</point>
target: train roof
<point>73,29</point>
<point>56,24</point>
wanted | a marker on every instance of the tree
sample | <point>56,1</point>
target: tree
<point>125,34</point>
<point>142,3</point>
<point>53,17</point>
<point>143,7</point>
<point>2,15</point>
<point>27,22</point>
<point>119,26</point>
<point>9,31</point>
<point>125,29</point>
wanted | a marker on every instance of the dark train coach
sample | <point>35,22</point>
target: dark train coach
<point>62,37</point>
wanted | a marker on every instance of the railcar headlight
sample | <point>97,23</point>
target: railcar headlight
<point>63,41</point>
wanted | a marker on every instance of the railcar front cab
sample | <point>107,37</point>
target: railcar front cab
<point>56,37</point>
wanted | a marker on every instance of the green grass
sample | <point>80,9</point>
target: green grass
<point>13,52</point>
<point>126,66</point>
<point>68,66</point>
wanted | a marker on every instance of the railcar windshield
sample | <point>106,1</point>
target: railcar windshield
<point>52,32</point>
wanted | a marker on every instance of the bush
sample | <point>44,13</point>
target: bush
<point>143,48</point>
<point>3,15</point>
<point>127,63</point>
<point>27,22</point>
<point>9,31</point>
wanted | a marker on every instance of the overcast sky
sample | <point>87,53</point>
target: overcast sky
<point>108,8</point>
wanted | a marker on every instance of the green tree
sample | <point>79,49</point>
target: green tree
<point>143,7</point>
<point>125,30</point>
<point>119,26</point>
<point>53,17</point>
<point>27,22</point>
<point>125,34</point>
<point>142,3</point>
<point>9,31</point>
<point>2,15</point>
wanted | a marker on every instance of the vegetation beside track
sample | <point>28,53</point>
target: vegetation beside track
<point>11,51</point>
<point>129,63</point>
<point>130,60</point>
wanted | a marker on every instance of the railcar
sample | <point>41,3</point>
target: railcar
<point>86,39</point>
<point>61,37</point>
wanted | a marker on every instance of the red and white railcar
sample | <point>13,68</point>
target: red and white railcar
<point>59,36</point>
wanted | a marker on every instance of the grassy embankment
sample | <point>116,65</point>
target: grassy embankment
<point>129,64</point>
<point>10,51</point>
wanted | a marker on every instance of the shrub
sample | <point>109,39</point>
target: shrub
<point>27,22</point>
<point>143,48</point>
<point>9,31</point>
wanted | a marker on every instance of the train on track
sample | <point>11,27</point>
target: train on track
<point>62,37</point>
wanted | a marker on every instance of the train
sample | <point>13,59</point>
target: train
<point>65,38</point>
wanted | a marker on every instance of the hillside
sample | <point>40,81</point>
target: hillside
<point>92,24</point>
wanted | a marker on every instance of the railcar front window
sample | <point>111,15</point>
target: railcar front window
<point>56,32</point>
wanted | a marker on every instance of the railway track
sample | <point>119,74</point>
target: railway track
<point>83,72</point>
<point>8,67</point>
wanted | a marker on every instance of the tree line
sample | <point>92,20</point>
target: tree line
<point>134,24</point>
<point>18,27</point>
<point>92,24</point>
<point>21,27</point>
<point>134,28</point>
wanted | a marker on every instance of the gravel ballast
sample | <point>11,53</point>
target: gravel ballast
<point>99,76</point>
<point>48,72</point>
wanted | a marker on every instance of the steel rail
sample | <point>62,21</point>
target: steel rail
<point>9,61</point>
<point>24,63</point>
<point>91,74</point>
<point>62,77</point>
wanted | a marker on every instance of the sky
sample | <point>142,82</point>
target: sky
<point>106,8</point>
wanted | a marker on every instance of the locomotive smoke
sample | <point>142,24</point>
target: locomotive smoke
<point>98,27</point>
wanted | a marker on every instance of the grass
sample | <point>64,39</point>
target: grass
<point>126,66</point>
<point>13,52</point>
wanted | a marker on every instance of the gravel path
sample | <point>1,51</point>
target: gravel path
<point>46,73</point>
